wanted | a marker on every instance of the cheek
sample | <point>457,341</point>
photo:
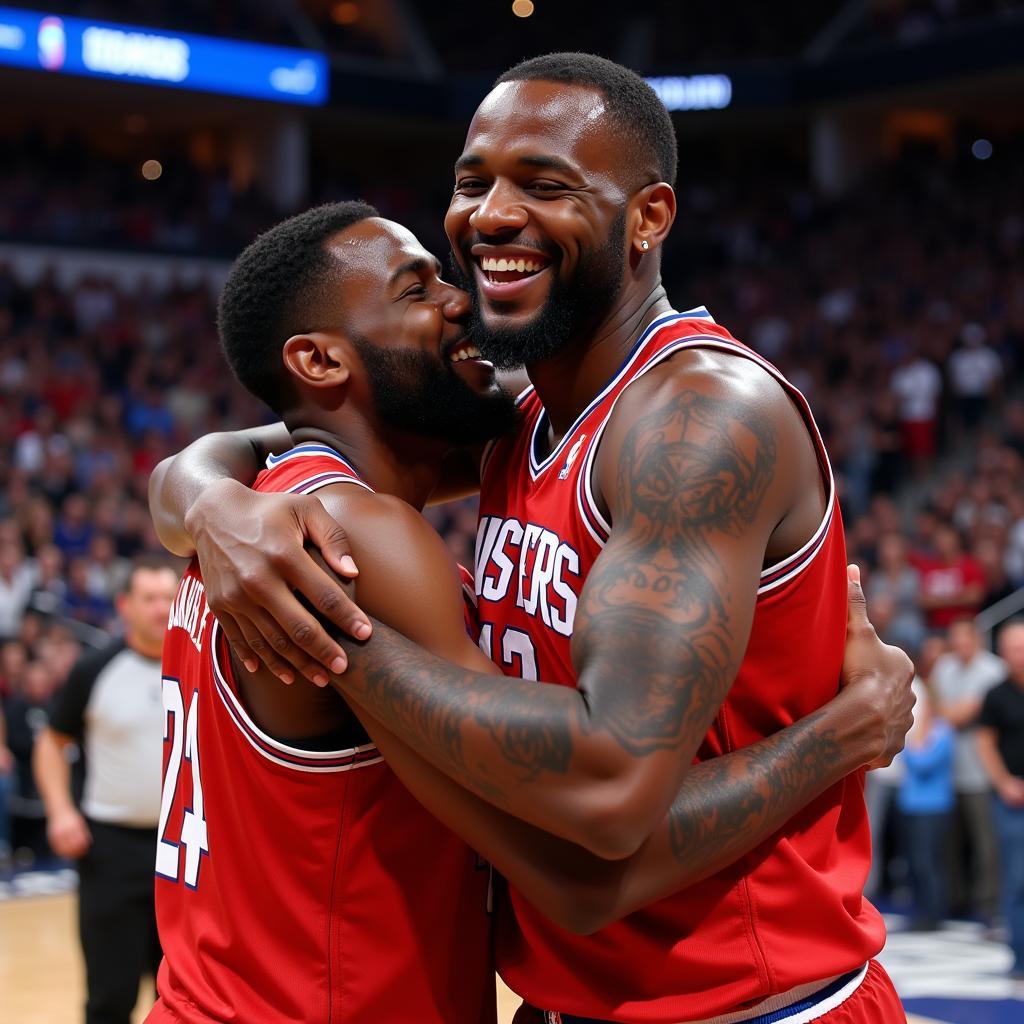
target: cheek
<point>456,220</point>
<point>424,323</point>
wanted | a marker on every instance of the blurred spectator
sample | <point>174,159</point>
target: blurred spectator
<point>897,582</point>
<point>81,602</point>
<point>25,714</point>
<point>49,587</point>
<point>975,376</point>
<point>961,679</point>
<point>917,384</point>
<point>73,531</point>
<point>926,801</point>
<point>15,587</point>
<point>1001,748</point>
<point>952,583</point>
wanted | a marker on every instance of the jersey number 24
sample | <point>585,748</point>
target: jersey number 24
<point>183,733</point>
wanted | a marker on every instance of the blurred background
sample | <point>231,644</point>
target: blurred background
<point>851,195</point>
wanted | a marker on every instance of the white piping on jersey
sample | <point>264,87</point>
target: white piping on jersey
<point>307,450</point>
<point>536,468</point>
<point>325,477</point>
<point>245,724</point>
<point>715,342</point>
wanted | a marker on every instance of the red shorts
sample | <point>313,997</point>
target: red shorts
<point>874,1002</point>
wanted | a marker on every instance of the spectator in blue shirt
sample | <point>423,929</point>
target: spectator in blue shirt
<point>926,799</point>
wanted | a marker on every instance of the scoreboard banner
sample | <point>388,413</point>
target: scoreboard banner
<point>128,53</point>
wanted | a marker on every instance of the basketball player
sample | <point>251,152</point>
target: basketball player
<point>660,536</point>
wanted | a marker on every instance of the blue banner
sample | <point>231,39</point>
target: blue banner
<point>127,53</point>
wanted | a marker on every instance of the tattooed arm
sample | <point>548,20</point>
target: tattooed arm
<point>690,473</point>
<point>725,807</point>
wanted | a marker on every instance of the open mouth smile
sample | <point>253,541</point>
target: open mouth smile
<point>504,275</point>
<point>464,350</point>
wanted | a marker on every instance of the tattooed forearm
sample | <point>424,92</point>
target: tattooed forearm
<point>656,620</point>
<point>429,702</point>
<point>729,804</point>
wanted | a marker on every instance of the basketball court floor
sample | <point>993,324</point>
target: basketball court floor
<point>955,976</point>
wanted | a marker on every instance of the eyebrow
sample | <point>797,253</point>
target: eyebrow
<point>552,163</point>
<point>415,266</point>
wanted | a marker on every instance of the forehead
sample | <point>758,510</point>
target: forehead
<point>545,119</point>
<point>373,249</point>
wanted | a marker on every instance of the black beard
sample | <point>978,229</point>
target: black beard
<point>422,394</point>
<point>572,310</point>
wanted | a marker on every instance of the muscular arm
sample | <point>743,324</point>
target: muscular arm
<point>216,462</point>
<point>724,808</point>
<point>255,560</point>
<point>663,621</point>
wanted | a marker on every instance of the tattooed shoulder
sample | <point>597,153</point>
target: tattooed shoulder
<point>668,595</point>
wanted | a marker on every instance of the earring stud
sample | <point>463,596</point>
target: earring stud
<point>645,245</point>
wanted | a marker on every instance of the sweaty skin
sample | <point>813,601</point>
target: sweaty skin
<point>690,474</point>
<point>724,808</point>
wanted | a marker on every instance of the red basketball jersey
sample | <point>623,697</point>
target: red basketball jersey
<point>791,912</point>
<point>293,884</point>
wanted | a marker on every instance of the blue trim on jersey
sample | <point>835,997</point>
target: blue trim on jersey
<point>307,449</point>
<point>536,463</point>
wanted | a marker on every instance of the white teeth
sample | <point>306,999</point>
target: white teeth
<point>523,266</point>
<point>470,352</point>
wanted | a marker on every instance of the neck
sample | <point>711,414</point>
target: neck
<point>391,462</point>
<point>568,381</point>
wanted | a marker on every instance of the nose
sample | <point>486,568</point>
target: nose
<point>455,305</point>
<point>501,210</point>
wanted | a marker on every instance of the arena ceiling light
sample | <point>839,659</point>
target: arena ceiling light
<point>128,53</point>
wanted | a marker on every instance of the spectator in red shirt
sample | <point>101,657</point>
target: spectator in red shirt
<point>952,582</point>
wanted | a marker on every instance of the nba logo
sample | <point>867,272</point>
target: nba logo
<point>571,458</point>
<point>52,43</point>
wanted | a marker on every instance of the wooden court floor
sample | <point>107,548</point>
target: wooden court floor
<point>41,978</point>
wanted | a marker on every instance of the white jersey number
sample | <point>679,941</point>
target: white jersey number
<point>517,650</point>
<point>184,744</point>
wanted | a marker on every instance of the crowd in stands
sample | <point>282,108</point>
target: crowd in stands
<point>58,191</point>
<point>898,310</point>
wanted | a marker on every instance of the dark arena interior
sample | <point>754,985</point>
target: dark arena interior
<point>850,195</point>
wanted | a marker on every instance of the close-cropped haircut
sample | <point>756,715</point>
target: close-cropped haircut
<point>276,289</point>
<point>632,105</point>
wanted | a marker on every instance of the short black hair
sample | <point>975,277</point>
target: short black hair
<point>273,292</point>
<point>634,107</point>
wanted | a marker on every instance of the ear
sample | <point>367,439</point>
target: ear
<point>652,213</point>
<point>317,359</point>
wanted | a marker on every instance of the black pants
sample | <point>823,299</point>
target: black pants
<point>116,919</point>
